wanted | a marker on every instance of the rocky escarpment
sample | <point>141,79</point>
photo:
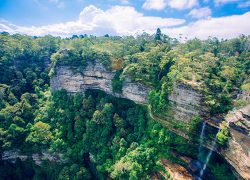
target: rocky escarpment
<point>96,76</point>
<point>186,102</point>
<point>238,151</point>
<point>38,158</point>
<point>176,171</point>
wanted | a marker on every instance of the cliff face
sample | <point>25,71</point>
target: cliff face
<point>238,151</point>
<point>185,100</point>
<point>96,76</point>
<point>176,171</point>
<point>186,103</point>
<point>38,158</point>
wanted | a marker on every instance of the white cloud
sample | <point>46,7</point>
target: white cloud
<point>200,13</point>
<point>154,4</point>
<point>118,20</point>
<point>244,4</point>
<point>221,2</point>
<point>4,26</point>
<point>174,4</point>
<point>125,20</point>
<point>222,27</point>
<point>182,4</point>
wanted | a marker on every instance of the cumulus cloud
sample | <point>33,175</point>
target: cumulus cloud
<point>154,4</point>
<point>118,20</point>
<point>200,13</point>
<point>222,27</point>
<point>125,20</point>
<point>182,4</point>
<point>174,4</point>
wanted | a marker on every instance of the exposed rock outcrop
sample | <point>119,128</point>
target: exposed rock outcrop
<point>96,76</point>
<point>238,151</point>
<point>176,171</point>
<point>186,102</point>
<point>38,158</point>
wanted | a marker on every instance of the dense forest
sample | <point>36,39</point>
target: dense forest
<point>97,136</point>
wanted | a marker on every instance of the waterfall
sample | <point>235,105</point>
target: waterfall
<point>202,134</point>
<point>201,138</point>
<point>207,159</point>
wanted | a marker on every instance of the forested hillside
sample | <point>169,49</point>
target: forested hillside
<point>97,136</point>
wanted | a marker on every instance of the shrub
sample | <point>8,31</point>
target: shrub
<point>117,82</point>
<point>223,134</point>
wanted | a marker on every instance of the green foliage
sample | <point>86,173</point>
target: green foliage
<point>67,57</point>
<point>158,100</point>
<point>127,146</point>
<point>117,82</point>
<point>135,163</point>
<point>222,172</point>
<point>246,88</point>
<point>74,172</point>
<point>158,34</point>
<point>193,126</point>
<point>40,133</point>
<point>100,136</point>
<point>223,134</point>
<point>7,97</point>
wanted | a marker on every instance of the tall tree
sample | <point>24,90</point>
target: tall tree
<point>158,34</point>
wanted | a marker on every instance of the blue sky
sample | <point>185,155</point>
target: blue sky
<point>191,18</point>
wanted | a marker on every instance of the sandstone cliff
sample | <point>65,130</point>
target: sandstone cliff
<point>96,76</point>
<point>238,151</point>
<point>186,102</point>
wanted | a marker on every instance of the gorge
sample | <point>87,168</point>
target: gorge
<point>124,108</point>
<point>186,103</point>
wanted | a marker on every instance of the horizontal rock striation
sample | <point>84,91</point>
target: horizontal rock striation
<point>186,102</point>
<point>238,151</point>
<point>96,76</point>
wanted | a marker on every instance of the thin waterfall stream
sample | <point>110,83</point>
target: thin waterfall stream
<point>207,159</point>
<point>208,156</point>
<point>201,138</point>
